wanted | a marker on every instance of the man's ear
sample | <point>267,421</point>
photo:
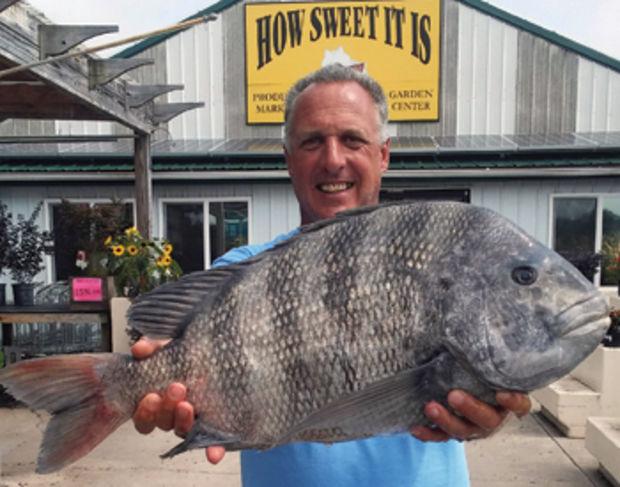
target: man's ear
<point>385,155</point>
<point>287,159</point>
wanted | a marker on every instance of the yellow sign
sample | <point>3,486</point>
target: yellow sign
<point>397,43</point>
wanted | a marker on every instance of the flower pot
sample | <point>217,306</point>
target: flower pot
<point>23,294</point>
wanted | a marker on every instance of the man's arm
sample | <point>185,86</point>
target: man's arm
<point>477,419</point>
<point>171,411</point>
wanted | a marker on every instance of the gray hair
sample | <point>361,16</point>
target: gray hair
<point>334,73</point>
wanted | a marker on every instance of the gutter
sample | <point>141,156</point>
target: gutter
<point>553,172</point>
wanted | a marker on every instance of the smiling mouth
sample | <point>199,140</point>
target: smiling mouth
<point>334,187</point>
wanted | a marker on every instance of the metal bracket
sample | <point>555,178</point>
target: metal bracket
<point>58,39</point>
<point>164,112</point>
<point>102,71</point>
<point>138,95</point>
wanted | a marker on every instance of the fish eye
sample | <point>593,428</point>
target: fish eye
<point>524,275</point>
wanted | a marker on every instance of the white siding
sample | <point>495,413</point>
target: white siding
<point>598,98</point>
<point>195,59</point>
<point>526,202</point>
<point>82,127</point>
<point>487,73</point>
<point>273,207</point>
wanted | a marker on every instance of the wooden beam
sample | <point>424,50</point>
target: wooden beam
<point>18,46</point>
<point>143,186</point>
<point>60,139</point>
<point>40,101</point>
<point>6,3</point>
<point>68,111</point>
<point>28,93</point>
<point>19,317</point>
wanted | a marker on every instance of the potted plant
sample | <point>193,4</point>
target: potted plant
<point>5,224</point>
<point>139,264</point>
<point>27,244</point>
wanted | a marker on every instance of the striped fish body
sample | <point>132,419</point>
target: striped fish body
<point>347,329</point>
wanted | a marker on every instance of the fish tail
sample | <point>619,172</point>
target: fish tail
<point>70,387</point>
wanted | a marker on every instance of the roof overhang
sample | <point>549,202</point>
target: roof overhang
<point>566,155</point>
<point>58,90</point>
<point>274,175</point>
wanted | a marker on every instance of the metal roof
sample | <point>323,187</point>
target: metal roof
<point>479,5</point>
<point>257,147</point>
<point>232,156</point>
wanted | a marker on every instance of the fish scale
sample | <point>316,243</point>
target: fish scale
<point>344,331</point>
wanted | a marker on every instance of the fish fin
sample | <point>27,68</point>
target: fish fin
<point>203,436</point>
<point>381,402</point>
<point>166,311</point>
<point>70,388</point>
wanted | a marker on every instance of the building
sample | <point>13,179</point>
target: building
<point>486,107</point>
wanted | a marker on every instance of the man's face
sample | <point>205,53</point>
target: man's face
<point>335,156</point>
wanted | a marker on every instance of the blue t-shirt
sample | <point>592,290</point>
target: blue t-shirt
<point>390,461</point>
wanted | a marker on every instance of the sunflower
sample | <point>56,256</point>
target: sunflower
<point>168,249</point>
<point>118,250</point>
<point>132,250</point>
<point>108,240</point>
<point>164,261</point>
<point>131,231</point>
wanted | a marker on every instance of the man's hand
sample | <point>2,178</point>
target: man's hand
<point>171,411</point>
<point>478,420</point>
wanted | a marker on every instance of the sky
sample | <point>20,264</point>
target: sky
<point>593,23</point>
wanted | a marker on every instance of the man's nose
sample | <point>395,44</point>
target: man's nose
<point>334,157</point>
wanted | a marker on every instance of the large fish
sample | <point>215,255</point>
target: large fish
<point>344,331</point>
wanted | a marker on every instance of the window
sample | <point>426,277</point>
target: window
<point>575,225</point>
<point>228,226</point>
<point>185,231</point>
<point>72,236</point>
<point>584,226</point>
<point>610,248</point>
<point>64,253</point>
<point>198,241</point>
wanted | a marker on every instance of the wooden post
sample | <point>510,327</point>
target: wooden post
<point>143,189</point>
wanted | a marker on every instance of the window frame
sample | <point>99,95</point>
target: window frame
<point>205,211</point>
<point>598,224</point>
<point>50,265</point>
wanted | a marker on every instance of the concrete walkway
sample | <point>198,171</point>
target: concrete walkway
<point>524,453</point>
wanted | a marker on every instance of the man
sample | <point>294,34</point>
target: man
<point>337,149</point>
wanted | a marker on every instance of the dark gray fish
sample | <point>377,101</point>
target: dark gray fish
<point>344,331</point>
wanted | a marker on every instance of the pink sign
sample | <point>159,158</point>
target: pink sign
<point>87,289</point>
